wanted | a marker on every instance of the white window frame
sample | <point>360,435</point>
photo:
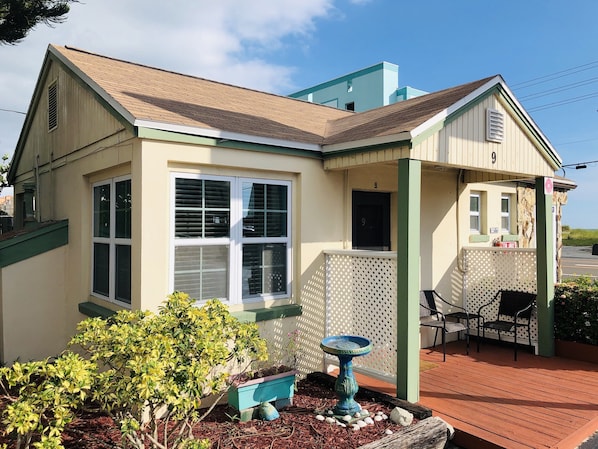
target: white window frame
<point>112,241</point>
<point>236,240</point>
<point>477,213</point>
<point>506,215</point>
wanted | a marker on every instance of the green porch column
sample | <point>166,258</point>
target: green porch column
<point>545,266</point>
<point>408,252</point>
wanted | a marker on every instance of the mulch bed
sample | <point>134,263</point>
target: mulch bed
<point>296,428</point>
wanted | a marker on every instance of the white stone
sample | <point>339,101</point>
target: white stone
<point>368,421</point>
<point>388,432</point>
<point>330,420</point>
<point>342,424</point>
<point>380,413</point>
<point>320,418</point>
<point>330,412</point>
<point>347,418</point>
<point>378,418</point>
<point>384,416</point>
<point>364,412</point>
<point>401,416</point>
<point>361,423</point>
<point>357,415</point>
<point>355,427</point>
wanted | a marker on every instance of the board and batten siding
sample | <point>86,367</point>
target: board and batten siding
<point>462,143</point>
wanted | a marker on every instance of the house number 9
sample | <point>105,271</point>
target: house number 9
<point>494,157</point>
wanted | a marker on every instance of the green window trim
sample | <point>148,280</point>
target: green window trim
<point>509,238</point>
<point>479,238</point>
<point>270,313</point>
<point>94,310</point>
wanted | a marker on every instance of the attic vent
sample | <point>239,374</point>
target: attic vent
<point>53,106</point>
<point>495,125</point>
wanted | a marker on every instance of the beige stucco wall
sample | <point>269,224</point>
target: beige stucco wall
<point>34,304</point>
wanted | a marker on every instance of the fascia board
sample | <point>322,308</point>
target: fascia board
<point>381,140</point>
<point>552,153</point>
<point>442,115</point>
<point>225,135</point>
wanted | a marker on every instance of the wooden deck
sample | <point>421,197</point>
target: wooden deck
<point>494,402</point>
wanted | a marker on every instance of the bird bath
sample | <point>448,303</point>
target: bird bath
<point>345,347</point>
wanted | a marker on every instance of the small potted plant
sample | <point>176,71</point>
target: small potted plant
<point>270,381</point>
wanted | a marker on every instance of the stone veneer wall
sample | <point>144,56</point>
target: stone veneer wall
<point>526,219</point>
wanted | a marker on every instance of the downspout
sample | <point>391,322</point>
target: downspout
<point>37,204</point>
<point>346,209</point>
<point>460,266</point>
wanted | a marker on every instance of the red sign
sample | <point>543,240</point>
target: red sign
<point>548,186</point>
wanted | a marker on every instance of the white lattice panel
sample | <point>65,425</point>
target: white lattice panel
<point>488,270</point>
<point>361,300</point>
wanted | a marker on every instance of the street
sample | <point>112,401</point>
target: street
<point>578,261</point>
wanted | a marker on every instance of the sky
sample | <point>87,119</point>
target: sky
<point>546,50</point>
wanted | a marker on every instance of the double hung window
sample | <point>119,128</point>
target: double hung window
<point>231,238</point>
<point>111,259</point>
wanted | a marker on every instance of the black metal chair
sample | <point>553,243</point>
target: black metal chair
<point>514,312</point>
<point>431,315</point>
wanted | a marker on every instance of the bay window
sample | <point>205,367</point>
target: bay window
<point>231,238</point>
<point>111,240</point>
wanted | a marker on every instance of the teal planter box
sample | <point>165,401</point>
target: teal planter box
<point>263,389</point>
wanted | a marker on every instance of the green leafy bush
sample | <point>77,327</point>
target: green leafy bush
<point>148,371</point>
<point>43,396</point>
<point>158,367</point>
<point>576,311</point>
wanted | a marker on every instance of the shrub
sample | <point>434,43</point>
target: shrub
<point>43,396</point>
<point>575,309</point>
<point>148,371</point>
<point>158,367</point>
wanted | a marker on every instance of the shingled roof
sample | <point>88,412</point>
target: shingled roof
<point>401,117</point>
<point>148,96</point>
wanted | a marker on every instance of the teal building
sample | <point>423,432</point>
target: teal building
<point>362,90</point>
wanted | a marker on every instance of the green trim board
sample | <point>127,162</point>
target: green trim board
<point>171,136</point>
<point>479,238</point>
<point>270,313</point>
<point>408,279</point>
<point>509,238</point>
<point>544,268</point>
<point>39,240</point>
<point>365,149</point>
<point>94,310</point>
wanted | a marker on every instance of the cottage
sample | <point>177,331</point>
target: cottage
<point>131,182</point>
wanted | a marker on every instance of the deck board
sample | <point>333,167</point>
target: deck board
<point>534,402</point>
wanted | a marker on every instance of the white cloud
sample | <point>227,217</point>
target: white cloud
<point>227,40</point>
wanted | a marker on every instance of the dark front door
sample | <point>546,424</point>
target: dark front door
<point>371,220</point>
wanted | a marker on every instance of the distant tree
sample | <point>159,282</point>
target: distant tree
<point>4,166</point>
<point>18,17</point>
